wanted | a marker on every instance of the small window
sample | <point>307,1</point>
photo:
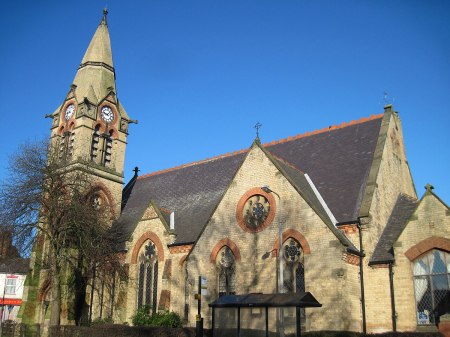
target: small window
<point>10,285</point>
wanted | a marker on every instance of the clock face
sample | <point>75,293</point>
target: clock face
<point>107,114</point>
<point>69,111</point>
<point>256,210</point>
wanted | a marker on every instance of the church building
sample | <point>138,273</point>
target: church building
<point>354,233</point>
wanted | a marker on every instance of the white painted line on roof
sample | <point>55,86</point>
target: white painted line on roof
<point>322,202</point>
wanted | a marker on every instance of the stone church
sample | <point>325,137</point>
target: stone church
<point>354,232</point>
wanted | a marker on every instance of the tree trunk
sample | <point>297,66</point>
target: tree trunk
<point>56,292</point>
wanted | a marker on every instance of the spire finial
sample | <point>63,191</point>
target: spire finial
<point>257,127</point>
<point>105,13</point>
<point>429,187</point>
<point>136,170</point>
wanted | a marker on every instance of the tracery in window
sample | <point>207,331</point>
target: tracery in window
<point>226,263</point>
<point>148,276</point>
<point>431,283</point>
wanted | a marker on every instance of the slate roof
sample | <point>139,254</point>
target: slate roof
<point>403,209</point>
<point>337,159</point>
<point>17,265</point>
<point>338,162</point>
<point>192,192</point>
<point>310,197</point>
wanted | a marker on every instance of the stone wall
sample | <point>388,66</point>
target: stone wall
<point>333,282</point>
<point>428,228</point>
<point>393,177</point>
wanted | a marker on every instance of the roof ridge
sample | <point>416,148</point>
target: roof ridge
<point>325,129</point>
<point>201,161</point>
<point>285,162</point>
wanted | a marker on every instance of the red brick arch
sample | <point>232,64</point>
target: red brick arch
<point>225,242</point>
<point>291,233</point>
<point>147,236</point>
<point>424,246</point>
<point>105,192</point>
<point>61,130</point>
<point>240,206</point>
<point>182,260</point>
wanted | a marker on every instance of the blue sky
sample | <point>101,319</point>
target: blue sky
<point>198,75</point>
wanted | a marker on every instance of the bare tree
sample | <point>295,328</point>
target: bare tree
<point>49,199</point>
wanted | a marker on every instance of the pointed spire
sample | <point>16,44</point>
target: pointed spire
<point>99,49</point>
<point>95,76</point>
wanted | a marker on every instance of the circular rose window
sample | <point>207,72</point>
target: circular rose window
<point>255,210</point>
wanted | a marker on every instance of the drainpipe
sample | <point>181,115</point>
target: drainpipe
<point>361,270</point>
<point>391,283</point>
<point>361,275</point>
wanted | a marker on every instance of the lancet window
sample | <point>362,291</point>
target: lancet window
<point>431,283</point>
<point>294,270</point>
<point>148,276</point>
<point>226,263</point>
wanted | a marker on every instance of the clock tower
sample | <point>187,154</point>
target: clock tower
<point>91,124</point>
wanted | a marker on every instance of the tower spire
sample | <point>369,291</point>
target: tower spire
<point>96,76</point>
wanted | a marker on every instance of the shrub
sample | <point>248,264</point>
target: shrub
<point>142,316</point>
<point>166,319</point>
<point>106,320</point>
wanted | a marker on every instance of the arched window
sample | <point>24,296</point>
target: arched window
<point>148,276</point>
<point>293,271</point>
<point>226,264</point>
<point>431,283</point>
